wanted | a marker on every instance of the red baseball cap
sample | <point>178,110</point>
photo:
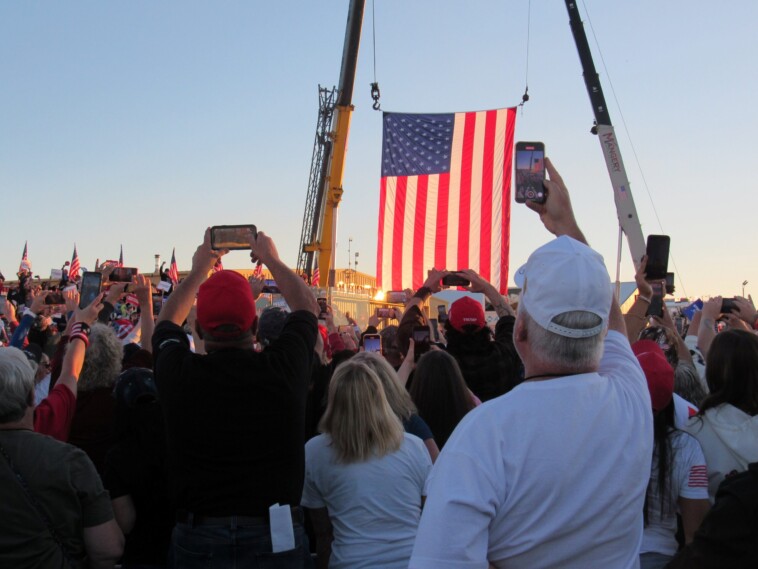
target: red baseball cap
<point>225,299</point>
<point>466,312</point>
<point>658,372</point>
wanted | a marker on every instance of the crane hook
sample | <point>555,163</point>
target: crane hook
<point>375,94</point>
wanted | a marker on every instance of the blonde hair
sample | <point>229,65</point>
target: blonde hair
<point>358,417</point>
<point>397,395</point>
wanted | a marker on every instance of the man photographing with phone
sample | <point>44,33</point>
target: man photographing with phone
<point>235,417</point>
<point>554,472</point>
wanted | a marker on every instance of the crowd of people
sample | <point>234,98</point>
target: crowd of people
<point>205,434</point>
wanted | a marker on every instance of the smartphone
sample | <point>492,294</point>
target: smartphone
<point>728,305</point>
<point>3,299</point>
<point>396,297</point>
<point>91,283</point>
<point>269,287</point>
<point>656,301</point>
<point>455,279</point>
<point>123,274</point>
<point>157,304</point>
<point>54,298</point>
<point>372,343</point>
<point>530,172</point>
<point>323,312</point>
<point>442,313</point>
<point>435,329</point>
<point>657,257</point>
<point>232,236</point>
<point>421,341</point>
<point>383,312</point>
<point>670,288</point>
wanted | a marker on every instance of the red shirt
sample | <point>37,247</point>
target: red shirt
<point>55,412</point>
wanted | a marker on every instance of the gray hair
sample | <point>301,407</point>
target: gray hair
<point>102,360</point>
<point>16,384</point>
<point>573,354</point>
<point>687,383</point>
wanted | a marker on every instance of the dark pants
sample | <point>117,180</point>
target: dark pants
<point>235,546</point>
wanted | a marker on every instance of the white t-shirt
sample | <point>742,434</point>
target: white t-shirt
<point>374,505</point>
<point>551,474</point>
<point>688,479</point>
<point>683,410</point>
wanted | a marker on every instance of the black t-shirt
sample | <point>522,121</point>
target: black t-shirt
<point>235,419</point>
<point>135,466</point>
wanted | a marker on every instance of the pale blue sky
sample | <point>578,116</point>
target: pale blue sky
<point>142,123</point>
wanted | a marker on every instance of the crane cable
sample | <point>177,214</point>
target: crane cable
<point>525,96</point>
<point>375,94</point>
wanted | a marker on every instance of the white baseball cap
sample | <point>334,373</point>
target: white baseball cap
<point>564,276</point>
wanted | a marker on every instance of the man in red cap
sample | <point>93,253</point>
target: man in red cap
<point>489,362</point>
<point>235,417</point>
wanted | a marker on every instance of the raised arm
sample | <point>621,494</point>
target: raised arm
<point>557,216</point>
<point>293,288</point>
<point>556,213</point>
<point>143,289</point>
<point>636,318</point>
<point>178,305</point>
<point>77,344</point>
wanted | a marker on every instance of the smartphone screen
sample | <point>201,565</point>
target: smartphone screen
<point>435,330</point>
<point>269,287</point>
<point>157,304</point>
<point>396,297</point>
<point>442,313</point>
<point>454,279</point>
<point>123,274</point>
<point>54,298</point>
<point>91,282</point>
<point>383,312</point>
<point>421,342</point>
<point>657,252</point>
<point>232,236</point>
<point>530,172</point>
<point>372,343</point>
<point>656,302</point>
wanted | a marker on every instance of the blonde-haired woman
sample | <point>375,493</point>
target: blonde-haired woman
<point>400,400</point>
<point>364,476</point>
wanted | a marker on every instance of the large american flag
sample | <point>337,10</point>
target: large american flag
<point>73,270</point>
<point>445,196</point>
<point>173,269</point>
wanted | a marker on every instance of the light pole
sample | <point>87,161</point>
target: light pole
<point>743,288</point>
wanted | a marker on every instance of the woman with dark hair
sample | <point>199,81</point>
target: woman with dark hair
<point>364,477</point>
<point>678,473</point>
<point>440,393</point>
<point>727,423</point>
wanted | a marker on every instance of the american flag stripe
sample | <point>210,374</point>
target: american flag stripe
<point>73,271</point>
<point>452,219</point>
<point>173,270</point>
<point>698,477</point>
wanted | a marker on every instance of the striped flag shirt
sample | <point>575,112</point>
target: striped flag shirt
<point>444,200</point>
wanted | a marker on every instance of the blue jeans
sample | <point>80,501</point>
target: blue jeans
<point>654,560</point>
<point>235,547</point>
